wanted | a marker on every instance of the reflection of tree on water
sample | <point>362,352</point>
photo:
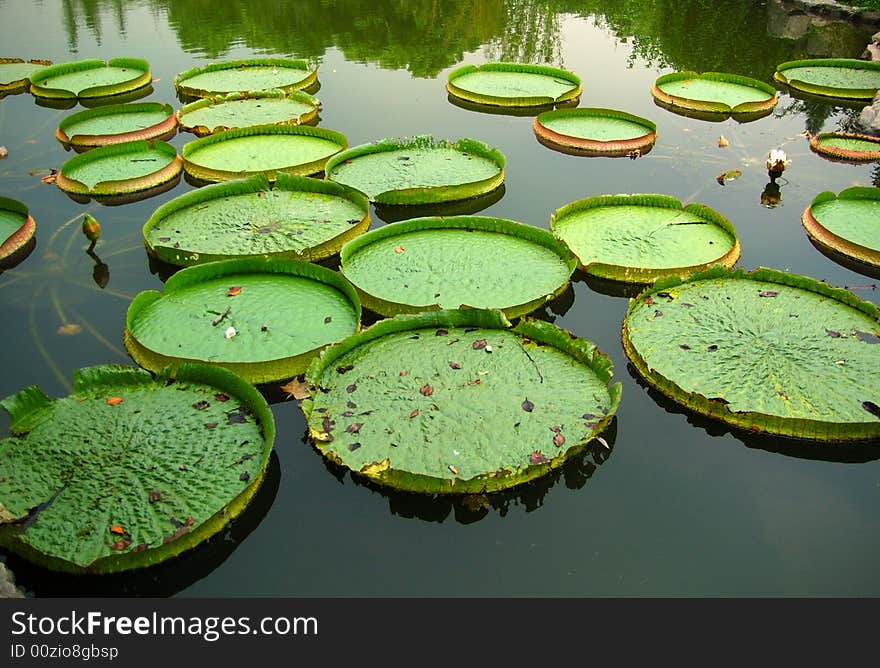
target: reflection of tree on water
<point>529,34</point>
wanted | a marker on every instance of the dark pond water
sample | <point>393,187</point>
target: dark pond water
<point>680,506</point>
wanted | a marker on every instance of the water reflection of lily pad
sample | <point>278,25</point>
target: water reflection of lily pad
<point>847,223</point>
<point>72,498</point>
<point>15,74</point>
<point>513,84</point>
<point>458,401</point>
<point>392,213</point>
<point>845,78</point>
<point>86,79</point>
<point>593,131</point>
<point>263,318</point>
<point>239,110</point>
<point>767,351</point>
<point>16,231</point>
<point>240,76</point>
<point>114,124</point>
<point>846,146</point>
<point>715,94</point>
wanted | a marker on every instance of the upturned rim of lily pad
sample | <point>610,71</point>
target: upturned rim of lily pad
<point>709,109</point>
<point>310,78</point>
<point>263,371</point>
<point>383,473</point>
<point>164,129</point>
<point>201,130</point>
<point>141,77</point>
<point>817,143</point>
<point>32,402</point>
<point>716,408</point>
<point>502,226</point>
<point>255,184</point>
<point>835,242</point>
<point>828,91</point>
<point>516,102</point>
<point>645,275</point>
<point>18,240</point>
<point>587,145</point>
<point>19,85</point>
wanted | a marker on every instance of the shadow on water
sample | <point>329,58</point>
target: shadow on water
<point>167,578</point>
<point>509,111</point>
<point>395,213</point>
<point>610,288</point>
<point>850,263</point>
<point>18,256</point>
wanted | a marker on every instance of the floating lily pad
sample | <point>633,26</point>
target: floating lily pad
<point>638,238</point>
<point>458,401</point>
<point>766,351</point>
<point>592,131</point>
<point>263,318</point>
<point>846,146</point>
<point>296,217</point>
<point>115,124</point>
<point>86,79</point>
<point>263,149</point>
<point>846,78</point>
<point>16,229</point>
<point>715,93</point>
<point>240,76</point>
<point>119,171</point>
<point>129,470</point>
<point>15,74</point>
<point>513,84</point>
<point>460,261</point>
<point>240,110</point>
<point>847,223</point>
<point>419,170</point>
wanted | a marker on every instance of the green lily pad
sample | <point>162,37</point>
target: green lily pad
<point>459,261</point>
<point>239,110</point>
<point>295,217</point>
<point>129,470</point>
<point>419,170</point>
<point>88,79</point>
<point>715,93</point>
<point>15,74</point>
<point>115,124</point>
<point>120,171</point>
<point>240,76</point>
<point>263,149</point>
<point>458,401</point>
<point>16,227</point>
<point>846,78</point>
<point>593,131</point>
<point>846,146</point>
<point>766,351</point>
<point>513,84</point>
<point>638,238</point>
<point>263,318</point>
<point>847,223</point>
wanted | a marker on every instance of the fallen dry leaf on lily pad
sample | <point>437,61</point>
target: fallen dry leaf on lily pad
<point>297,389</point>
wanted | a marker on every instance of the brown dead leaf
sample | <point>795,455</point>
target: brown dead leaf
<point>426,390</point>
<point>399,249</point>
<point>114,401</point>
<point>3,152</point>
<point>414,413</point>
<point>453,469</point>
<point>559,440</point>
<point>722,141</point>
<point>296,389</point>
<point>120,544</point>
<point>233,291</point>
<point>117,529</point>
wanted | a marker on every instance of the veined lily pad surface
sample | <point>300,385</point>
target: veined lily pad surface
<point>16,227</point>
<point>848,223</point>
<point>262,149</point>
<point>294,217</point>
<point>85,79</point>
<point>593,131</point>
<point>638,238</point>
<point>419,170</point>
<point>264,319</point>
<point>714,93</point>
<point>120,169</point>
<point>513,84</point>
<point>15,74</point>
<point>117,123</point>
<point>129,470</point>
<point>446,263</point>
<point>846,78</point>
<point>458,401</point>
<point>767,351</point>
<point>240,76</point>
<point>239,110</point>
<point>846,146</point>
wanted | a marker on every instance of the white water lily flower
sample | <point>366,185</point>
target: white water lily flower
<point>777,161</point>
<point>230,332</point>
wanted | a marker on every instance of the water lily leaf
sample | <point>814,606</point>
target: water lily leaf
<point>594,131</point>
<point>718,95</point>
<point>846,78</point>
<point>729,175</point>
<point>15,74</point>
<point>16,229</point>
<point>846,146</point>
<point>117,123</point>
<point>90,79</point>
<point>846,223</point>
<point>241,110</point>
<point>74,498</point>
<point>241,76</point>
<point>513,84</point>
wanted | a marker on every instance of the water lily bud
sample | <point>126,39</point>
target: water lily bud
<point>91,228</point>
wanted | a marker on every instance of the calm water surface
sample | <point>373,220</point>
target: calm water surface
<point>679,507</point>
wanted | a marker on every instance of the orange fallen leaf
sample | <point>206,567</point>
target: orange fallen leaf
<point>117,529</point>
<point>722,141</point>
<point>296,389</point>
<point>114,401</point>
<point>399,249</point>
<point>233,291</point>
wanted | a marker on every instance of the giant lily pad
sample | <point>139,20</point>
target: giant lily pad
<point>296,217</point>
<point>419,170</point>
<point>847,223</point>
<point>262,149</point>
<point>15,74</point>
<point>115,124</point>
<point>458,401</point>
<point>442,263</point>
<point>263,318</point>
<point>240,110</point>
<point>240,76</point>
<point>592,131</point>
<point>716,93</point>
<point>638,238</point>
<point>16,228</point>
<point>513,84</point>
<point>846,78</point>
<point>129,470</point>
<point>766,351</point>
<point>119,171</point>
<point>846,146</point>
<point>87,79</point>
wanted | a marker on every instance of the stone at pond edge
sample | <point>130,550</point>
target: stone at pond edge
<point>8,588</point>
<point>869,119</point>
